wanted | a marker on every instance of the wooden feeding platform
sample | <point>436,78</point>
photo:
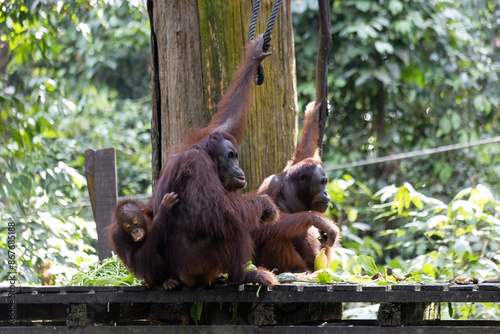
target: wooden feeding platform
<point>287,308</point>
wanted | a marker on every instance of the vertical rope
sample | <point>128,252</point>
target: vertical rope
<point>259,76</point>
<point>270,24</point>
<point>253,20</point>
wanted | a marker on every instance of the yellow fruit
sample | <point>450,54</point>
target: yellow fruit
<point>320,260</point>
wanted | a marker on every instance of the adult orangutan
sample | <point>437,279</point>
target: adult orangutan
<point>208,231</point>
<point>299,191</point>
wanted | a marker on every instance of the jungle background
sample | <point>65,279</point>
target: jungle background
<point>403,76</point>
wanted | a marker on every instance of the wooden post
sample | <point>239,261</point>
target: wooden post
<point>100,171</point>
<point>197,46</point>
<point>77,316</point>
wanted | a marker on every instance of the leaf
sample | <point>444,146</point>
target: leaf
<point>481,103</point>
<point>196,310</point>
<point>445,125</point>
<point>436,220</point>
<point>383,77</point>
<point>395,7</point>
<point>109,281</point>
<point>362,5</point>
<point>456,121</point>
<point>352,215</point>
<point>465,208</point>
<point>384,47</point>
<point>381,20</point>
<point>417,202</point>
<point>128,279</point>
<point>402,27</point>
<point>394,70</point>
<point>368,264</point>
<point>492,220</point>
<point>461,247</point>
<point>339,82</point>
<point>364,31</point>
<point>462,193</point>
<point>401,200</point>
<point>445,173</point>
<point>362,78</point>
<point>352,265</point>
<point>84,28</point>
<point>325,277</point>
<point>386,192</point>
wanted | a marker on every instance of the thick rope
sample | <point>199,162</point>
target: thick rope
<point>270,24</point>
<point>253,20</point>
<point>259,76</point>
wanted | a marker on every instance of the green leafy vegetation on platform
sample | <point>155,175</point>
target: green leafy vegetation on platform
<point>108,272</point>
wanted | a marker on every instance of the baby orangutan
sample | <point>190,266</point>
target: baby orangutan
<point>137,239</point>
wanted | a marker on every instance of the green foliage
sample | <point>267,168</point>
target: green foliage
<point>65,89</point>
<point>422,238</point>
<point>109,272</point>
<point>405,76</point>
<point>196,310</point>
<point>405,229</point>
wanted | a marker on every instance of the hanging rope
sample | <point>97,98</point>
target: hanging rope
<point>259,76</point>
<point>270,24</point>
<point>253,20</point>
<point>324,46</point>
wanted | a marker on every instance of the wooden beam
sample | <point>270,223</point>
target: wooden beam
<point>100,171</point>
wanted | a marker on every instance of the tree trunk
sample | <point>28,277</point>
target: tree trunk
<point>196,47</point>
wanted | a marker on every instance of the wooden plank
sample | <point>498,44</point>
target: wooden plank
<point>90,176</point>
<point>41,289</point>
<point>106,196</point>
<point>434,287</point>
<point>461,287</point>
<point>489,287</point>
<point>248,294</point>
<point>404,287</point>
<point>91,289</point>
<point>337,329</point>
<point>319,307</point>
<point>375,288</point>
